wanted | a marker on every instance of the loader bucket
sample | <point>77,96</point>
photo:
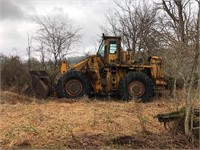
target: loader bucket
<point>40,85</point>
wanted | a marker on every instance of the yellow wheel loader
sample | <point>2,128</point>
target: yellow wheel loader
<point>111,71</point>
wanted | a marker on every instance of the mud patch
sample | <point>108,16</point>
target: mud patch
<point>23,144</point>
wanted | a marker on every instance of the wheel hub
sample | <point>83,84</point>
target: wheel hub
<point>73,87</point>
<point>136,88</point>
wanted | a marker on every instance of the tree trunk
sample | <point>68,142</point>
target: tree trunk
<point>174,92</point>
<point>181,21</point>
<point>198,48</point>
<point>190,96</point>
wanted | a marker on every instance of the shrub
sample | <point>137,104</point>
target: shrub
<point>14,73</point>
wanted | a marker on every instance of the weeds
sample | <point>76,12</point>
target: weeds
<point>19,132</point>
<point>142,119</point>
<point>85,125</point>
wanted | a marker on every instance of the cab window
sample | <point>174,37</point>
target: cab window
<point>113,47</point>
<point>101,49</point>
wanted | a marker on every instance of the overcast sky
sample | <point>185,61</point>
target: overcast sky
<point>16,19</point>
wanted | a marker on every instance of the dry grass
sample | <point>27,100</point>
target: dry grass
<point>86,124</point>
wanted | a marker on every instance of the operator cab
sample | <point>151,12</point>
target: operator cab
<point>109,49</point>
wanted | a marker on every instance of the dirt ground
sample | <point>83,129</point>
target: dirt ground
<point>86,124</point>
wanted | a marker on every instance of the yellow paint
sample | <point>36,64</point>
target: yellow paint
<point>94,65</point>
<point>64,67</point>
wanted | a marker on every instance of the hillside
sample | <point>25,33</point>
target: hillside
<point>85,124</point>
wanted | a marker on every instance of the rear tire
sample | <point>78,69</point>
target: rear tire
<point>137,85</point>
<point>73,84</point>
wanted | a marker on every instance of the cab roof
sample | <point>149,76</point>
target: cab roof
<point>110,37</point>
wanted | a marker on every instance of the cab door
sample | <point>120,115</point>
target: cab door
<point>113,47</point>
<point>109,50</point>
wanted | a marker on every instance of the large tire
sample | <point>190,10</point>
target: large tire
<point>137,85</point>
<point>73,84</point>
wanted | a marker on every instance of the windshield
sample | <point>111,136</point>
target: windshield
<point>101,49</point>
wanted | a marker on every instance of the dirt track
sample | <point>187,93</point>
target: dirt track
<point>31,123</point>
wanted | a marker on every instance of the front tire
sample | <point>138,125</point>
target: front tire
<point>73,84</point>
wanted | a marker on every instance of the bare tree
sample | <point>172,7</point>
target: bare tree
<point>198,46</point>
<point>135,23</point>
<point>180,30</point>
<point>42,53</point>
<point>28,49</point>
<point>195,66</point>
<point>57,35</point>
